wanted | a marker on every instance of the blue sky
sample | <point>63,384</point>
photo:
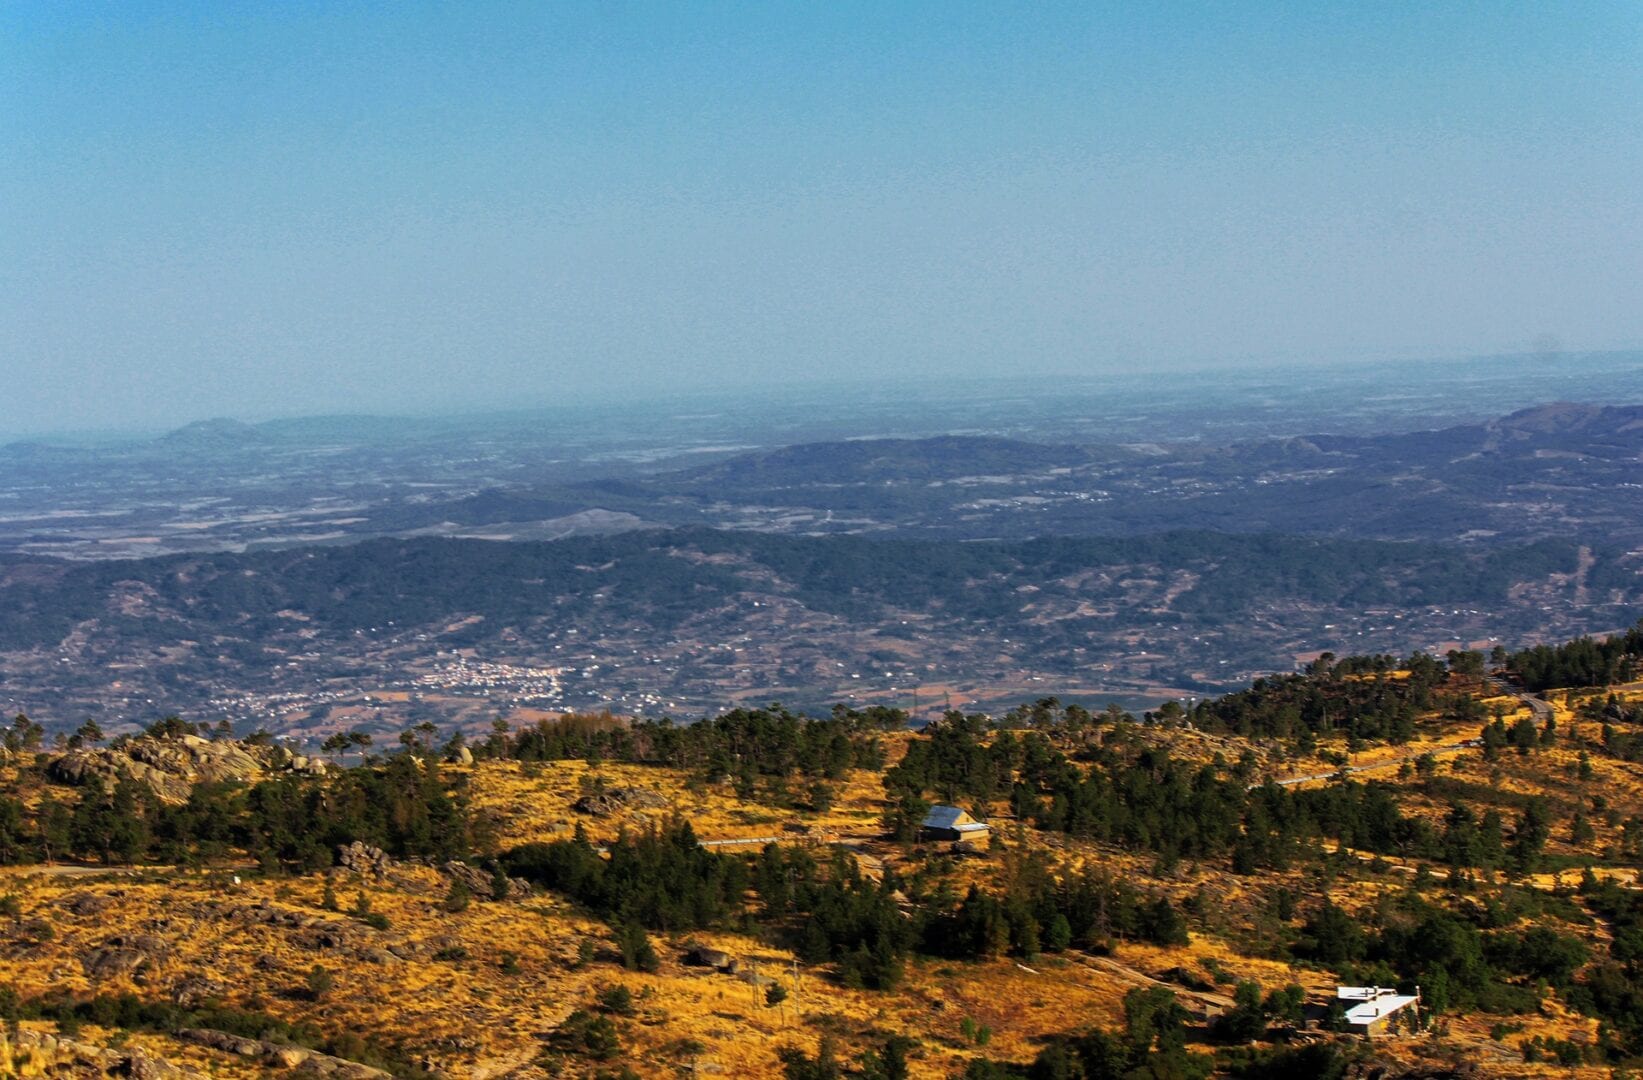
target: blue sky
<point>250,210</point>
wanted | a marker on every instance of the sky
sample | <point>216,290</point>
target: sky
<point>277,209</point>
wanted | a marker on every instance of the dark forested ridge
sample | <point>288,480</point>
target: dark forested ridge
<point>807,615</point>
<point>975,566</point>
<point>666,576</point>
<point>1560,470</point>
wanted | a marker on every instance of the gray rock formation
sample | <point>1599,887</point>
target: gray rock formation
<point>196,990</point>
<point>52,1056</point>
<point>302,1061</point>
<point>170,766</point>
<point>482,884</point>
<point>123,955</point>
<point>615,800</point>
<point>87,903</point>
<point>702,956</point>
<point>363,859</point>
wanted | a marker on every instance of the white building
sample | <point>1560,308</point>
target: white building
<point>951,823</point>
<point>1369,1009</point>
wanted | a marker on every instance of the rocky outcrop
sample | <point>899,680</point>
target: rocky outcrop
<point>264,913</point>
<point>197,990</point>
<point>363,859</point>
<point>302,929</point>
<point>36,1053</point>
<point>124,955</point>
<point>480,883</point>
<point>615,800</point>
<point>302,1061</point>
<point>702,956</point>
<point>170,766</point>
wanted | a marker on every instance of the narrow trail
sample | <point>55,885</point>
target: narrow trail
<point>1210,1002</point>
<point>1624,878</point>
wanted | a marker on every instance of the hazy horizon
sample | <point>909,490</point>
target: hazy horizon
<point>1565,377</point>
<point>305,211</point>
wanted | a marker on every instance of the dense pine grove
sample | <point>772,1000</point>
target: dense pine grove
<point>1582,662</point>
<point>660,878</point>
<point>741,743</point>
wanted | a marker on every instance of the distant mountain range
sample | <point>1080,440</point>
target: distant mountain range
<point>1553,471</point>
<point>689,620</point>
<point>813,571</point>
<point>1558,470</point>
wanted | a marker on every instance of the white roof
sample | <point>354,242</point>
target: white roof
<point>943,817</point>
<point>1374,1002</point>
<point>1362,993</point>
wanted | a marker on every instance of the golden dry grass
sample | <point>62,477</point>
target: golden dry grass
<point>473,1019</point>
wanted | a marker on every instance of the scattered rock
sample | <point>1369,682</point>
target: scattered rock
<point>615,800</point>
<point>33,930</point>
<point>87,903</point>
<point>319,938</point>
<point>107,963</point>
<point>196,990</point>
<point>266,914</point>
<point>1379,1068</point>
<point>122,956</point>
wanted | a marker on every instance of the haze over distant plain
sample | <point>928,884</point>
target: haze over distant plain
<point>212,210</point>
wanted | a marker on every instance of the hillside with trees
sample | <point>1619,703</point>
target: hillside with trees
<point>756,890</point>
